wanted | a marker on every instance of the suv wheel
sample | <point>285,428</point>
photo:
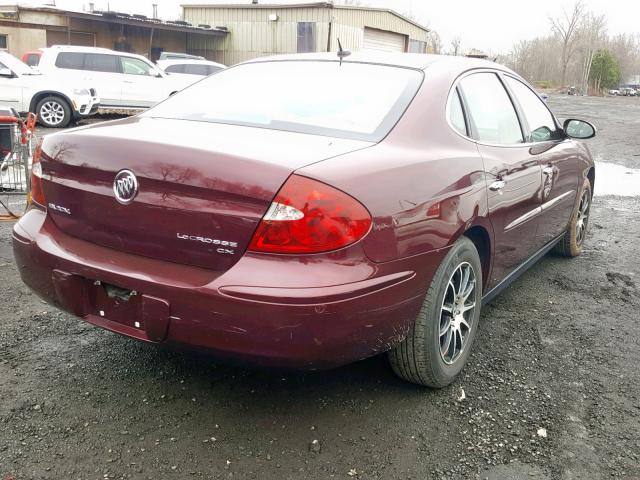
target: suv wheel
<point>53,112</point>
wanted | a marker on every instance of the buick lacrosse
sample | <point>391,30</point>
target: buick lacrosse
<point>310,211</point>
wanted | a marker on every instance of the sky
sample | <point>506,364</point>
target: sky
<point>489,25</point>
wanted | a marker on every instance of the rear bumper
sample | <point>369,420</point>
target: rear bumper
<point>295,314</point>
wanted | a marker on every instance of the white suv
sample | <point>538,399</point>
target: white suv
<point>57,101</point>
<point>124,80</point>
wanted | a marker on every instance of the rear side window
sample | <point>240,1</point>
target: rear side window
<point>179,68</point>
<point>214,69</point>
<point>456,114</point>
<point>195,69</point>
<point>70,60</point>
<point>98,62</point>
<point>541,123</point>
<point>490,109</point>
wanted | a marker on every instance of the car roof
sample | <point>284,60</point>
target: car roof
<point>81,49</point>
<point>417,61</point>
<point>188,61</point>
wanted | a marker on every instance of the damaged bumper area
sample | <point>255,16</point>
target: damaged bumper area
<point>304,313</point>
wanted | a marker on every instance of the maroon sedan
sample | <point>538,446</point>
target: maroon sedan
<point>303,212</point>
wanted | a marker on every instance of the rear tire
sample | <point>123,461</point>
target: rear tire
<point>573,239</point>
<point>430,355</point>
<point>53,112</point>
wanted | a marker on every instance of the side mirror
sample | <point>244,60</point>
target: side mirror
<point>5,72</point>
<point>579,129</point>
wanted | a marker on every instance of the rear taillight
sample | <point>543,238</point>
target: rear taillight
<point>37,193</point>
<point>308,216</point>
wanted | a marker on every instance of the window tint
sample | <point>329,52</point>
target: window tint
<point>543,127</point>
<point>133,66</point>
<point>491,110</point>
<point>306,37</point>
<point>456,114</point>
<point>98,62</point>
<point>175,68</point>
<point>196,69</point>
<point>71,60</point>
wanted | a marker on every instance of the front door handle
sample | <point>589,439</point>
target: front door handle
<point>497,185</point>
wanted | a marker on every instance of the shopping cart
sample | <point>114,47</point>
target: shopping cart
<point>16,147</point>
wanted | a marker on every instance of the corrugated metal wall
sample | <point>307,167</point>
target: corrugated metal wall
<point>350,23</point>
<point>252,34</point>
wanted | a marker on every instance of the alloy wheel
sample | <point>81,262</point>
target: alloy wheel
<point>457,313</point>
<point>583,217</point>
<point>52,112</point>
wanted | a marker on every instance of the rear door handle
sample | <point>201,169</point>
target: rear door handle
<point>497,185</point>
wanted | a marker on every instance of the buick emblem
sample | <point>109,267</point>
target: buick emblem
<point>125,186</point>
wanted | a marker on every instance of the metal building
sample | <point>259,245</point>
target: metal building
<point>259,29</point>
<point>24,29</point>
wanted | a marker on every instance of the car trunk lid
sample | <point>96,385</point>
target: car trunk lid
<point>202,187</point>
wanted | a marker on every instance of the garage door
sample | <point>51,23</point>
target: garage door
<point>383,41</point>
<point>83,39</point>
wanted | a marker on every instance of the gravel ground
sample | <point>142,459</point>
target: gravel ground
<point>551,390</point>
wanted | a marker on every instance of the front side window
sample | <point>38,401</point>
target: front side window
<point>490,109</point>
<point>541,123</point>
<point>306,37</point>
<point>134,66</point>
<point>357,101</point>
<point>98,62</point>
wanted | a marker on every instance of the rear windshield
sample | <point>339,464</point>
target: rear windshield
<point>355,100</point>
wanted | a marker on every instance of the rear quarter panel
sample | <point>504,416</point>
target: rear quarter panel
<point>424,184</point>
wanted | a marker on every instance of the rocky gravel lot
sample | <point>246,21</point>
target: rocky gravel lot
<point>552,390</point>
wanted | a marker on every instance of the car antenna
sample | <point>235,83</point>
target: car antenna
<point>342,54</point>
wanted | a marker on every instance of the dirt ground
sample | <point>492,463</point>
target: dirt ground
<point>552,387</point>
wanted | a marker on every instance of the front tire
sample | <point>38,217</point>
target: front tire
<point>53,112</point>
<point>573,240</point>
<point>439,342</point>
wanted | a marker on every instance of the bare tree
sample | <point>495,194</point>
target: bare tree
<point>455,46</point>
<point>592,36</point>
<point>565,27</point>
<point>435,42</point>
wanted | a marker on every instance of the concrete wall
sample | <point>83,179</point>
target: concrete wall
<point>20,40</point>
<point>254,35</point>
